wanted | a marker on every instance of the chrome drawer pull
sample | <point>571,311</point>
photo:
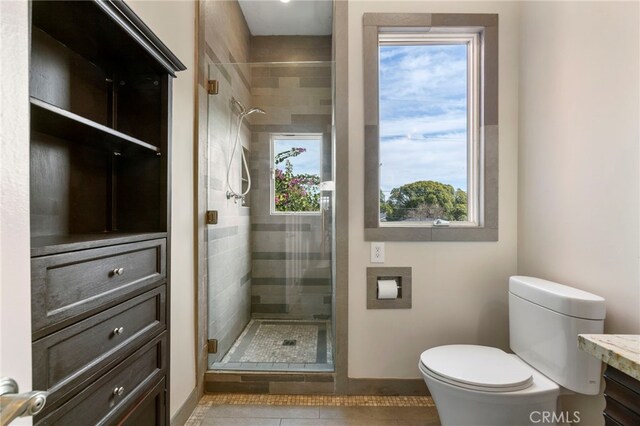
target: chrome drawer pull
<point>118,271</point>
<point>118,331</point>
<point>118,391</point>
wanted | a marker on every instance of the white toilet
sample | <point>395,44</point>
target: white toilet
<point>479,385</point>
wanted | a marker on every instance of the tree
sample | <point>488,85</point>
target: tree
<point>295,192</point>
<point>426,200</point>
<point>385,208</point>
<point>460,206</point>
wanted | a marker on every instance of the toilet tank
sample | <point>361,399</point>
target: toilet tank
<point>545,319</point>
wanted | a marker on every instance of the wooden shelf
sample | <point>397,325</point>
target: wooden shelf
<point>107,33</point>
<point>54,121</point>
<point>53,244</point>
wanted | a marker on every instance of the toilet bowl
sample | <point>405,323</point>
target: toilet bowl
<point>475,385</point>
<point>491,388</point>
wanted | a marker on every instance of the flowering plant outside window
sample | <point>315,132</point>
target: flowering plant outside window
<point>294,192</point>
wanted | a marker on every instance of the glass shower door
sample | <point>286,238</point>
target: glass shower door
<point>270,272</point>
<point>228,242</point>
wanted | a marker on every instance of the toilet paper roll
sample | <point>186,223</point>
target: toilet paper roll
<point>387,289</point>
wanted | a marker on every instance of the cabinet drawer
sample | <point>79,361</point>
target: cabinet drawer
<point>139,376</point>
<point>70,357</point>
<point>620,413</point>
<point>608,421</point>
<point>150,411</point>
<point>623,395</point>
<point>67,285</point>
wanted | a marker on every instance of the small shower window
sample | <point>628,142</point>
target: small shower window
<point>295,173</point>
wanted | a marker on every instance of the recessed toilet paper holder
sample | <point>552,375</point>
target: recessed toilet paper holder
<point>402,278</point>
<point>398,284</point>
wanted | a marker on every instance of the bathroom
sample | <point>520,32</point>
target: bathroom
<point>567,164</point>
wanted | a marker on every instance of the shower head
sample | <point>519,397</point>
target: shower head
<point>252,110</point>
<point>238,104</point>
<point>243,111</point>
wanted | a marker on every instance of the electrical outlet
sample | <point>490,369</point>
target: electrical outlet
<point>377,252</point>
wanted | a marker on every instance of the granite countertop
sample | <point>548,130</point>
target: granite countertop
<point>621,351</point>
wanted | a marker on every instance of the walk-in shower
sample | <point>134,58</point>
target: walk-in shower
<point>268,144</point>
<point>243,113</point>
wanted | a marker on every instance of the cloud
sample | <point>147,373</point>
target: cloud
<point>405,160</point>
<point>423,115</point>
<point>427,73</point>
<point>425,125</point>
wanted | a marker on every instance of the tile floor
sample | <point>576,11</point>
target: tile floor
<point>311,410</point>
<point>278,345</point>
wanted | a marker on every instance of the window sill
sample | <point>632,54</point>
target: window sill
<point>295,213</point>
<point>417,224</point>
<point>431,233</point>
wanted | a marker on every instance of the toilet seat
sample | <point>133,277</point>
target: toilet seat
<point>480,368</point>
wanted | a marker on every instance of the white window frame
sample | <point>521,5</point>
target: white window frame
<point>471,39</point>
<point>272,184</point>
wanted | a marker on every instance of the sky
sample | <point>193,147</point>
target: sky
<point>307,162</point>
<point>423,115</point>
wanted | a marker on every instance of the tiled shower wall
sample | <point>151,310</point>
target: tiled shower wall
<point>224,53</point>
<point>291,270</point>
<point>259,264</point>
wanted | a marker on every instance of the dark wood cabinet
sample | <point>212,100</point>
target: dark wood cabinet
<point>100,96</point>
<point>622,393</point>
<point>120,393</point>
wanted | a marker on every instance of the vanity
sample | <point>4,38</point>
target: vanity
<point>621,353</point>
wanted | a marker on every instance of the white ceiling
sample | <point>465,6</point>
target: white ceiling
<point>298,17</point>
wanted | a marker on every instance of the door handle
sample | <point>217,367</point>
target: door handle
<point>14,404</point>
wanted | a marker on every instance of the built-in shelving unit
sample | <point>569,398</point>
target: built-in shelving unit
<point>100,96</point>
<point>50,119</point>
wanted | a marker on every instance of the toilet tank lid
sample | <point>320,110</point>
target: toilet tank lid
<point>559,298</point>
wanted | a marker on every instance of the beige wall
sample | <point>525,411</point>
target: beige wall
<point>15,260</point>
<point>174,23</point>
<point>459,289</point>
<point>579,181</point>
<point>579,139</point>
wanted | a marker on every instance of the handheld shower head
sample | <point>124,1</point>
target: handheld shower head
<point>238,104</point>
<point>252,110</point>
<point>244,111</point>
<point>231,193</point>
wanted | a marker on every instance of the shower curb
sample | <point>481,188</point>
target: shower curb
<point>301,383</point>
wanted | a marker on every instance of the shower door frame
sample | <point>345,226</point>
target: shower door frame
<point>204,258</point>
<point>340,378</point>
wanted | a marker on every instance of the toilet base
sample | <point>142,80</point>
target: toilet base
<point>464,407</point>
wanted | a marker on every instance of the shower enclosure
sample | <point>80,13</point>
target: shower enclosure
<point>270,256</point>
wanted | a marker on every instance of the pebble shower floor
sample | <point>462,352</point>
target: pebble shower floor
<point>277,345</point>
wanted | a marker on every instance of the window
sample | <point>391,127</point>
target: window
<point>431,127</point>
<point>296,162</point>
